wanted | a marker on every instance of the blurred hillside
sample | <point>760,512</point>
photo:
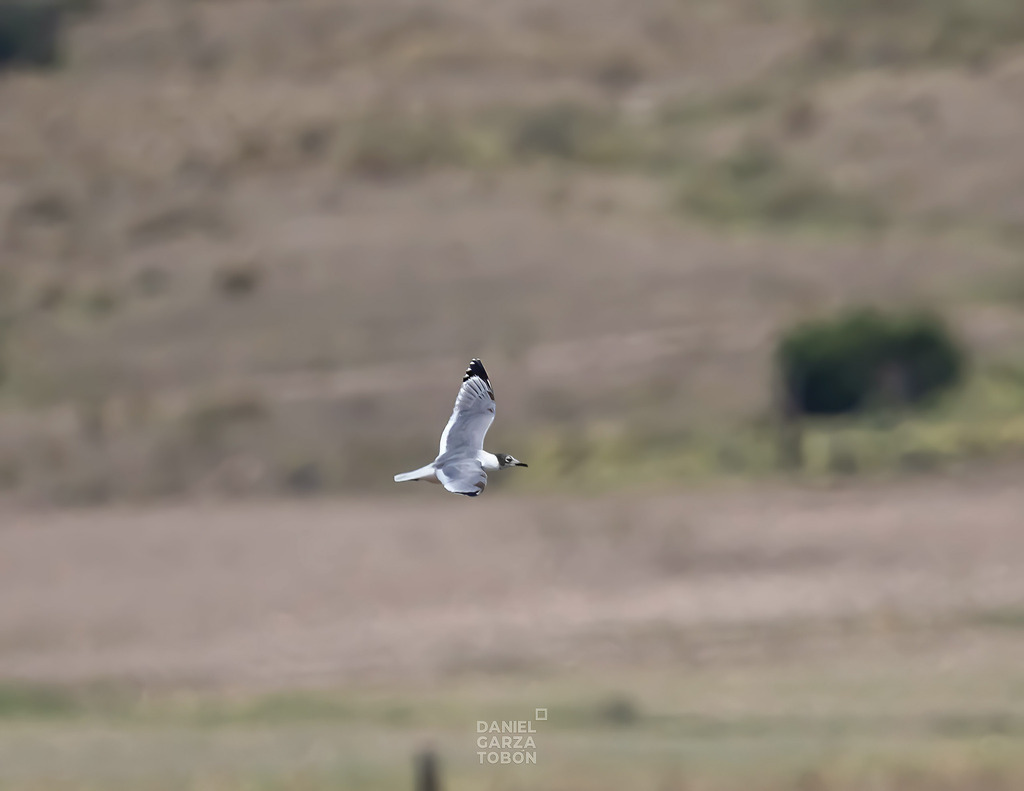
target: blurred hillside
<point>247,248</point>
<point>250,246</point>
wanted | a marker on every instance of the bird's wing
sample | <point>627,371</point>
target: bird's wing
<point>463,476</point>
<point>473,413</point>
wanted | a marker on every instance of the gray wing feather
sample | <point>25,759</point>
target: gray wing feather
<point>462,476</point>
<point>472,416</point>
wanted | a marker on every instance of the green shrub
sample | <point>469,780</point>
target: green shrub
<point>556,132</point>
<point>619,711</point>
<point>887,32</point>
<point>209,422</point>
<point>566,132</point>
<point>237,280</point>
<point>864,358</point>
<point>756,184</point>
<point>30,33</point>
<point>388,146</point>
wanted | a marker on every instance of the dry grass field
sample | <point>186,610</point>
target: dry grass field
<point>278,593</point>
<point>247,248</point>
<point>854,638</point>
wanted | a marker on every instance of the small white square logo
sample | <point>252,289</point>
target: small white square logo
<point>541,715</point>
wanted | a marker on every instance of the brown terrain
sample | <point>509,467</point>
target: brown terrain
<point>238,235</point>
<point>247,248</point>
<point>278,595</point>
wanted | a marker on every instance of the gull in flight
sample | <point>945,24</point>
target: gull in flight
<point>462,465</point>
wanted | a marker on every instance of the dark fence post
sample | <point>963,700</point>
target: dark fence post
<point>428,775</point>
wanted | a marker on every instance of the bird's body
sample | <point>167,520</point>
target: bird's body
<point>462,463</point>
<point>488,461</point>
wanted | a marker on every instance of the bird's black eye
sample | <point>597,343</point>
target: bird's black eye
<point>508,459</point>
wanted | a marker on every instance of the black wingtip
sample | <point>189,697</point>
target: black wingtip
<point>476,368</point>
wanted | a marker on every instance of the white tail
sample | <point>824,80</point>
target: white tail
<point>422,474</point>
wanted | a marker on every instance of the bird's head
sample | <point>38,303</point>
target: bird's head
<point>508,460</point>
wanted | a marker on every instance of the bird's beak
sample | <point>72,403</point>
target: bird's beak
<point>522,464</point>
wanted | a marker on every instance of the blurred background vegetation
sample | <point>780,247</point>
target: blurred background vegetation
<point>247,248</point>
<point>228,229</point>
